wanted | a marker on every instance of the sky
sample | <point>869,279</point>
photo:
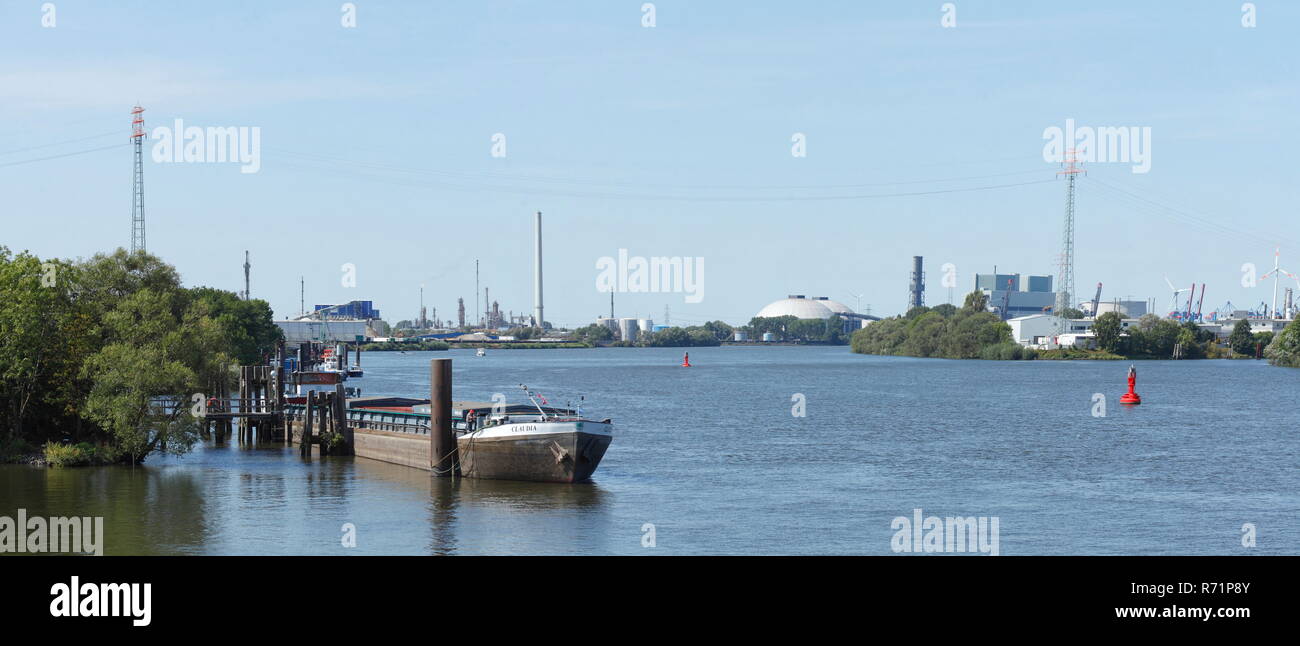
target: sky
<point>673,140</point>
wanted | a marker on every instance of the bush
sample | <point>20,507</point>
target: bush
<point>66,455</point>
<point>333,441</point>
<point>82,454</point>
<point>1076,353</point>
<point>1284,349</point>
<point>1007,352</point>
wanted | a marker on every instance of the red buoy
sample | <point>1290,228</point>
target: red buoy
<point>686,360</point>
<point>1131,397</point>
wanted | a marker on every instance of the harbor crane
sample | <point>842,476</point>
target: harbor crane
<point>1096,301</point>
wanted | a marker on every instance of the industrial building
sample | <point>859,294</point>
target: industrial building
<point>329,331</point>
<point>1125,308</point>
<point>628,328</point>
<point>800,307</point>
<point>820,307</point>
<point>1048,332</point>
<point>1006,296</point>
<point>351,310</point>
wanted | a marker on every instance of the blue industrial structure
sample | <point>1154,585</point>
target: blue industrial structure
<point>350,310</point>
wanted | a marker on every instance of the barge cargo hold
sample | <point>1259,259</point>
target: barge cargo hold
<point>502,442</point>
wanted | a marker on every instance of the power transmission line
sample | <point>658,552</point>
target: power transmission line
<point>71,154</point>
<point>115,133</point>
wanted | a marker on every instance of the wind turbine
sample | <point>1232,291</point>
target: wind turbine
<point>1173,300</point>
<point>1277,274</point>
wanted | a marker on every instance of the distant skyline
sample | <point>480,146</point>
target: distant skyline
<point>682,140</point>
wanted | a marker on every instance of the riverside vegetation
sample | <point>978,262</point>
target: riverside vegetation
<point>99,358</point>
<point>943,331</point>
<point>971,332</point>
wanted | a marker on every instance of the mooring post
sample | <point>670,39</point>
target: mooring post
<point>343,416</point>
<point>323,420</point>
<point>443,460</point>
<point>305,447</point>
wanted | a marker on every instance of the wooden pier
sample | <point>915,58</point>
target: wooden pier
<point>257,411</point>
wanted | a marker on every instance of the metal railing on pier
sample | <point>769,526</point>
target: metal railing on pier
<point>376,420</point>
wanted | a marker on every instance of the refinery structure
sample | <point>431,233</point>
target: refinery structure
<point>1042,310</point>
<point>359,320</point>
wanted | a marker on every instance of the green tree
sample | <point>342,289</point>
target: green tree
<point>145,378</point>
<point>1242,341</point>
<point>44,336</point>
<point>673,337</point>
<point>720,330</point>
<point>593,334</point>
<point>924,335</point>
<point>1191,346</point>
<point>976,301</point>
<point>1071,313</point>
<point>777,325</point>
<point>1284,350</point>
<point>946,310</point>
<point>1262,339</point>
<point>250,331</point>
<point>113,348</point>
<point>1107,329</point>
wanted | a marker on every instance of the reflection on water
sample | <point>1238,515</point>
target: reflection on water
<point>714,459</point>
<point>266,500</point>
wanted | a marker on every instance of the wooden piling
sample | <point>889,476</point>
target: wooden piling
<point>305,447</point>
<point>342,407</point>
<point>443,460</point>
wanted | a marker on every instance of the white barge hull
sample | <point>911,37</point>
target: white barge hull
<point>551,451</point>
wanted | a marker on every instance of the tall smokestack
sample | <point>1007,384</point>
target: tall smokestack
<point>537,277</point>
<point>916,290</point>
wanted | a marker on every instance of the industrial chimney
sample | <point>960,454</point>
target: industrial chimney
<point>537,277</point>
<point>916,290</point>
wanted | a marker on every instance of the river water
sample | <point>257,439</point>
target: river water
<point>713,460</point>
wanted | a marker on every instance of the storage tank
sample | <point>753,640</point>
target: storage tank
<point>769,337</point>
<point>627,329</point>
<point>645,326</point>
<point>741,335</point>
<point>1104,307</point>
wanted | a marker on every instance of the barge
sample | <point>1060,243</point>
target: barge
<point>532,442</point>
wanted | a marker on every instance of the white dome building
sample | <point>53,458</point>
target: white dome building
<point>799,307</point>
<point>835,306</point>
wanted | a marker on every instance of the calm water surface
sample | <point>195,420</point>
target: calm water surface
<point>714,459</point>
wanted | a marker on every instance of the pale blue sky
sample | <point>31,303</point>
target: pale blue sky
<point>376,141</point>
